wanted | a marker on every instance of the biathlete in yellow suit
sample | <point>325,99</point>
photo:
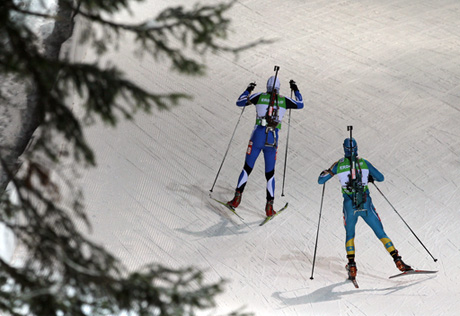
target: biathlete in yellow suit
<point>365,209</point>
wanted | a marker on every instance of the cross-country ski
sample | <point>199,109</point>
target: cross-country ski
<point>229,207</point>
<point>269,218</point>
<point>411,272</point>
<point>355,283</point>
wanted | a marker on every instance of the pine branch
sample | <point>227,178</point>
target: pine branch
<point>64,272</point>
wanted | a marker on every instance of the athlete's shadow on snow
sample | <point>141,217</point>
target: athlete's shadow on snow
<point>327,293</point>
<point>225,227</point>
<point>229,224</point>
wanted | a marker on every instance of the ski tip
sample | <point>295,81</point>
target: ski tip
<point>355,283</point>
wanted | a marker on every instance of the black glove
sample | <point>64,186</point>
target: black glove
<point>293,85</point>
<point>251,87</point>
<point>370,179</point>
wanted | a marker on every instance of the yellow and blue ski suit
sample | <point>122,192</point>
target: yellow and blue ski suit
<point>351,213</point>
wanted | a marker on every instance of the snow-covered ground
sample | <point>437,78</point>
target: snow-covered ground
<point>389,68</point>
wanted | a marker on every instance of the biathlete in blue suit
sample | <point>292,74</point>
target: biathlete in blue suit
<point>352,212</point>
<point>265,135</point>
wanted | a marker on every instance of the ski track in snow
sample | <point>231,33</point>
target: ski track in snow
<point>390,69</point>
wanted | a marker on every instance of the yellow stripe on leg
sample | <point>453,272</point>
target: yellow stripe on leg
<point>350,246</point>
<point>388,244</point>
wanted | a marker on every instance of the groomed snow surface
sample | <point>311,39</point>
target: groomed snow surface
<point>389,68</point>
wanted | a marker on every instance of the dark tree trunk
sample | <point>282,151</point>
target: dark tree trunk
<point>30,118</point>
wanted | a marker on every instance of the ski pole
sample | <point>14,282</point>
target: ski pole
<point>317,233</point>
<point>228,147</point>
<point>287,143</point>
<point>405,222</point>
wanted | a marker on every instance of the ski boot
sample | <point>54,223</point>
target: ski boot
<point>236,200</point>
<point>269,211</point>
<point>399,263</point>
<point>352,271</point>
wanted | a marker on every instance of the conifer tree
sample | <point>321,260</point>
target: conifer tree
<point>63,272</point>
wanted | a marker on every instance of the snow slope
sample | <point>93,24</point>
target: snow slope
<point>389,68</point>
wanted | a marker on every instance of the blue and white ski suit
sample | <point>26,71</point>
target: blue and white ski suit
<point>350,212</point>
<point>260,138</point>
